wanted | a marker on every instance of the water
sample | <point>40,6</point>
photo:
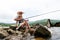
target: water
<point>55,33</point>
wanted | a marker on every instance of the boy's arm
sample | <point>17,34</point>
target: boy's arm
<point>16,23</point>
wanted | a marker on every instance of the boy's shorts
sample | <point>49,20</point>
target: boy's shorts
<point>21,28</point>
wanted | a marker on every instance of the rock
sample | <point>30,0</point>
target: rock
<point>40,38</point>
<point>41,31</point>
<point>6,28</point>
<point>13,28</point>
<point>13,37</point>
<point>3,33</point>
<point>10,31</point>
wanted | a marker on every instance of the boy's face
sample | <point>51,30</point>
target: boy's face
<point>19,14</point>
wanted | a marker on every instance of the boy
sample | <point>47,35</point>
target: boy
<point>22,22</point>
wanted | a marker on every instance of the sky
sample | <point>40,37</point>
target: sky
<point>9,9</point>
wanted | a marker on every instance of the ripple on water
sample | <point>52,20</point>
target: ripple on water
<point>55,33</point>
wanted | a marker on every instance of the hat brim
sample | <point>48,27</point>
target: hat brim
<point>19,12</point>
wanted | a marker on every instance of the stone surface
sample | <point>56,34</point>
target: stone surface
<point>40,38</point>
<point>41,31</point>
<point>3,33</point>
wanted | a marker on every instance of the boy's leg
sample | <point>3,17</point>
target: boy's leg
<point>20,25</point>
<point>26,30</point>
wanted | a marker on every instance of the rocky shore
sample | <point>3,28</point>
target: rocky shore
<point>12,34</point>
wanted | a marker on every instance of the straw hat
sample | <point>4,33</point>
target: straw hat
<point>19,12</point>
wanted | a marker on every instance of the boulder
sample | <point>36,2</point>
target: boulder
<point>3,33</point>
<point>41,31</point>
<point>13,37</point>
<point>19,29</point>
<point>13,28</point>
<point>10,31</point>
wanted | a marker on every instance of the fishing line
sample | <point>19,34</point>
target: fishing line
<point>42,14</point>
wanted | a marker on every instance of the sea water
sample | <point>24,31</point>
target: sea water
<point>55,33</point>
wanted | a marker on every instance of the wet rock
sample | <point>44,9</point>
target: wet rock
<point>41,31</point>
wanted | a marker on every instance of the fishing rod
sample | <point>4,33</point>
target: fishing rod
<point>42,14</point>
